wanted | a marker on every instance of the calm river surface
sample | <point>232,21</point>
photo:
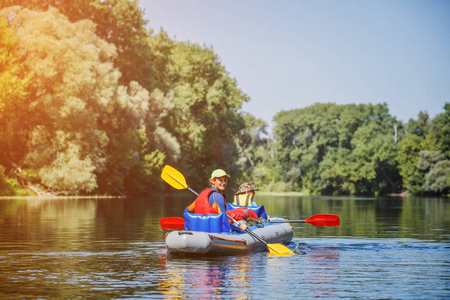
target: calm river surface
<point>385,248</point>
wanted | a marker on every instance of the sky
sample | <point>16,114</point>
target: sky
<point>290,54</point>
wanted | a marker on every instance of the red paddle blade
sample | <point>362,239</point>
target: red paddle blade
<point>172,223</point>
<point>324,220</point>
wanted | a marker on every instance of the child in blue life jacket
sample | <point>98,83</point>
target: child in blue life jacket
<point>244,195</point>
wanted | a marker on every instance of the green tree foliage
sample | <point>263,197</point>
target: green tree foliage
<point>161,47</point>
<point>425,143</point>
<point>441,129</point>
<point>119,22</point>
<point>69,63</point>
<point>14,82</point>
<point>79,114</point>
<point>112,136</point>
<point>93,102</point>
<point>6,188</point>
<point>437,172</point>
<point>254,148</point>
<point>205,118</point>
<point>437,181</point>
<point>407,158</point>
<point>337,148</point>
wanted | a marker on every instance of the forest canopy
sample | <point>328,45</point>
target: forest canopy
<point>94,102</point>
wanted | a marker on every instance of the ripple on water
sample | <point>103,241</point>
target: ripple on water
<point>326,267</point>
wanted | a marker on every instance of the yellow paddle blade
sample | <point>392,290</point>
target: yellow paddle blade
<point>279,249</point>
<point>174,178</point>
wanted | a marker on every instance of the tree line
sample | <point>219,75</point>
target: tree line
<point>94,102</point>
<point>362,149</point>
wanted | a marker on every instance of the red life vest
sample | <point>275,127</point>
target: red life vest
<point>202,205</point>
<point>242,213</point>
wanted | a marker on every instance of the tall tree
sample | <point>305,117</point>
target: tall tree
<point>337,148</point>
<point>420,136</point>
<point>76,104</point>
<point>407,157</point>
<point>440,128</point>
<point>119,22</point>
<point>14,82</point>
<point>206,115</point>
<point>254,148</point>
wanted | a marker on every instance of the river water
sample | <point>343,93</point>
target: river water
<point>385,248</point>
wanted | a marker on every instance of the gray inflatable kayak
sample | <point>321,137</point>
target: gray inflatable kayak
<point>199,242</point>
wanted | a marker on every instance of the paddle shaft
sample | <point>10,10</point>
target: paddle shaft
<point>287,221</point>
<point>248,231</point>
<point>192,191</point>
<point>316,220</point>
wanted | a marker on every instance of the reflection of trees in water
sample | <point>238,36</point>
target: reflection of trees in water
<point>48,222</point>
<point>362,216</point>
<point>207,276</point>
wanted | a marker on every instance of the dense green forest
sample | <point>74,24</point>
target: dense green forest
<point>92,101</point>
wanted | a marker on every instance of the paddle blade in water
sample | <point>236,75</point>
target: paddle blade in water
<point>279,249</point>
<point>174,178</point>
<point>172,223</point>
<point>324,220</point>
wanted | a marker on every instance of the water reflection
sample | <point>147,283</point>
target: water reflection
<point>323,273</point>
<point>207,277</point>
<point>366,217</point>
<point>317,270</point>
<point>114,248</point>
<point>78,224</point>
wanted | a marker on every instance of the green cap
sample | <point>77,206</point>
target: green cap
<point>219,173</point>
